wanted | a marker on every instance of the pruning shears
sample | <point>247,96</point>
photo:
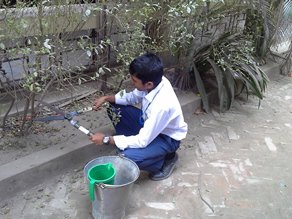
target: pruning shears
<point>69,116</point>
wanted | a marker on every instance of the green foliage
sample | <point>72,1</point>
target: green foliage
<point>190,30</point>
<point>182,32</point>
<point>114,113</point>
<point>255,29</point>
<point>133,21</point>
<point>42,39</point>
<point>231,59</point>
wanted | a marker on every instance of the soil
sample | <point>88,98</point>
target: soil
<point>42,135</point>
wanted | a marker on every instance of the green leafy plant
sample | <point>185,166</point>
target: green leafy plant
<point>114,113</point>
<point>232,61</point>
<point>234,56</point>
<point>134,20</point>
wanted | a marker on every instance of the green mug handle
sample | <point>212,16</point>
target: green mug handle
<point>91,189</point>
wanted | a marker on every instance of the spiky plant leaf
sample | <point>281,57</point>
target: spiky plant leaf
<point>219,78</point>
<point>230,87</point>
<point>250,80</point>
<point>201,89</point>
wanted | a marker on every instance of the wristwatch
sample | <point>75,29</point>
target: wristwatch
<point>106,139</point>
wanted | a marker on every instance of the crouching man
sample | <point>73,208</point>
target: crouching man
<point>149,136</point>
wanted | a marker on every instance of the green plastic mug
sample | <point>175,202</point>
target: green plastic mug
<point>102,173</point>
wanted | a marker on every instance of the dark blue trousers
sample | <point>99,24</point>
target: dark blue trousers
<point>150,158</point>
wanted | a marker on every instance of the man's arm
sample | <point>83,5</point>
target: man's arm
<point>119,98</point>
<point>98,137</point>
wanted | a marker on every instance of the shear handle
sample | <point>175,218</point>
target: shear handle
<point>81,128</point>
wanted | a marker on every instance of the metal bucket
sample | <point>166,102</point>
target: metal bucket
<point>110,201</point>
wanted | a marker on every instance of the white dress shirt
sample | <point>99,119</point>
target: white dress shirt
<point>162,114</point>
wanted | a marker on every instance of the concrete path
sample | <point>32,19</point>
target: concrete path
<point>232,165</point>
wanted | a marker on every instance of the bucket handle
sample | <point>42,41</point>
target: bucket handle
<point>91,189</point>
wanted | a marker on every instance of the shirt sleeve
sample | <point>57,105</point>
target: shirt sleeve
<point>131,98</point>
<point>152,128</point>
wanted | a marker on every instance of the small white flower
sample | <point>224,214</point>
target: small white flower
<point>46,44</point>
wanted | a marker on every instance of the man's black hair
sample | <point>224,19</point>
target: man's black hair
<point>147,67</point>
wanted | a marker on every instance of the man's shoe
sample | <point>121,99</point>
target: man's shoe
<point>166,169</point>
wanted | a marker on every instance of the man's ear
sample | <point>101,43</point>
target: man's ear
<point>149,85</point>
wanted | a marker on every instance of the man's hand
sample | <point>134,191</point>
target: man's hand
<point>97,138</point>
<point>98,103</point>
